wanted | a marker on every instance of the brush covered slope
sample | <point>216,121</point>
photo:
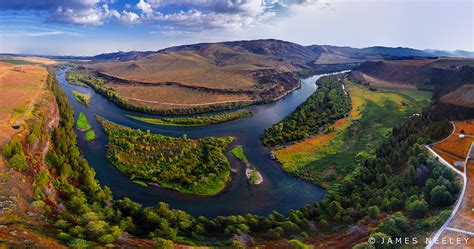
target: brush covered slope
<point>186,165</point>
<point>450,79</point>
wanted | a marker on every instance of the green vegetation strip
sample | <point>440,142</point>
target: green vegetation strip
<point>186,165</point>
<point>196,120</point>
<point>81,97</point>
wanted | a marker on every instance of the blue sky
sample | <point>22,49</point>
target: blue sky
<point>88,27</point>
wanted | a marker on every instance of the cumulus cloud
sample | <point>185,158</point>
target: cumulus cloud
<point>192,14</point>
<point>129,17</point>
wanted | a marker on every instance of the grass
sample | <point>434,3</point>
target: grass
<point>253,176</point>
<point>238,152</point>
<point>81,97</point>
<point>195,120</point>
<point>141,183</point>
<point>329,156</point>
<point>82,123</point>
<point>90,135</point>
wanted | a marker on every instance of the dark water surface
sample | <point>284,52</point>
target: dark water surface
<point>279,191</point>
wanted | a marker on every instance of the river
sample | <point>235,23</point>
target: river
<point>279,191</point>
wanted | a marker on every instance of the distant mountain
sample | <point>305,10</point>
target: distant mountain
<point>455,53</point>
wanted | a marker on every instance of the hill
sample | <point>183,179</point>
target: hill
<point>450,79</point>
<point>249,71</point>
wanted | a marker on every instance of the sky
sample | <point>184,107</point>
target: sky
<point>89,27</point>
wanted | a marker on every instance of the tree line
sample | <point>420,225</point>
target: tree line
<point>328,104</point>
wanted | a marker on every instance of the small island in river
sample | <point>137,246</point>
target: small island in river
<point>251,172</point>
<point>195,166</point>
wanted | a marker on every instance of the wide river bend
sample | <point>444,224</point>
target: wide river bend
<point>279,191</point>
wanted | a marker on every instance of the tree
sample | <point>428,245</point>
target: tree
<point>440,196</point>
<point>373,212</point>
<point>417,208</point>
<point>396,225</point>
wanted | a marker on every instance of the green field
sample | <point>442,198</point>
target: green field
<point>81,97</point>
<point>186,165</point>
<point>196,120</point>
<point>329,156</point>
<point>238,152</point>
<point>82,123</point>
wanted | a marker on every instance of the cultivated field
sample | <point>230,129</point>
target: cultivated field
<point>330,155</point>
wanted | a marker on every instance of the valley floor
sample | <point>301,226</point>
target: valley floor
<point>328,156</point>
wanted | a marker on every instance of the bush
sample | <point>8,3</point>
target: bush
<point>440,196</point>
<point>396,225</point>
<point>417,208</point>
<point>161,243</point>
<point>18,161</point>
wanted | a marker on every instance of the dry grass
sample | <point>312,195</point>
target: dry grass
<point>450,158</point>
<point>382,83</point>
<point>37,60</point>
<point>464,218</point>
<point>466,126</point>
<point>463,96</point>
<point>173,96</point>
<point>18,85</point>
<point>455,145</point>
<point>218,67</point>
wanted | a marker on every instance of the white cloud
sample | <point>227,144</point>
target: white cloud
<point>89,16</point>
<point>145,7</point>
<point>129,17</point>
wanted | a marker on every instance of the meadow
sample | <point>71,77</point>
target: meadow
<point>330,155</point>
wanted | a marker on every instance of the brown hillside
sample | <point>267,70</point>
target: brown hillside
<point>233,65</point>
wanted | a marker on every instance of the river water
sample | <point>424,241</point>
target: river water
<point>279,191</point>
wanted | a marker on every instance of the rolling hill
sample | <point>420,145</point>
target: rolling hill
<point>255,70</point>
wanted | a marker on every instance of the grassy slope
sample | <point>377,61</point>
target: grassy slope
<point>327,157</point>
<point>196,120</point>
